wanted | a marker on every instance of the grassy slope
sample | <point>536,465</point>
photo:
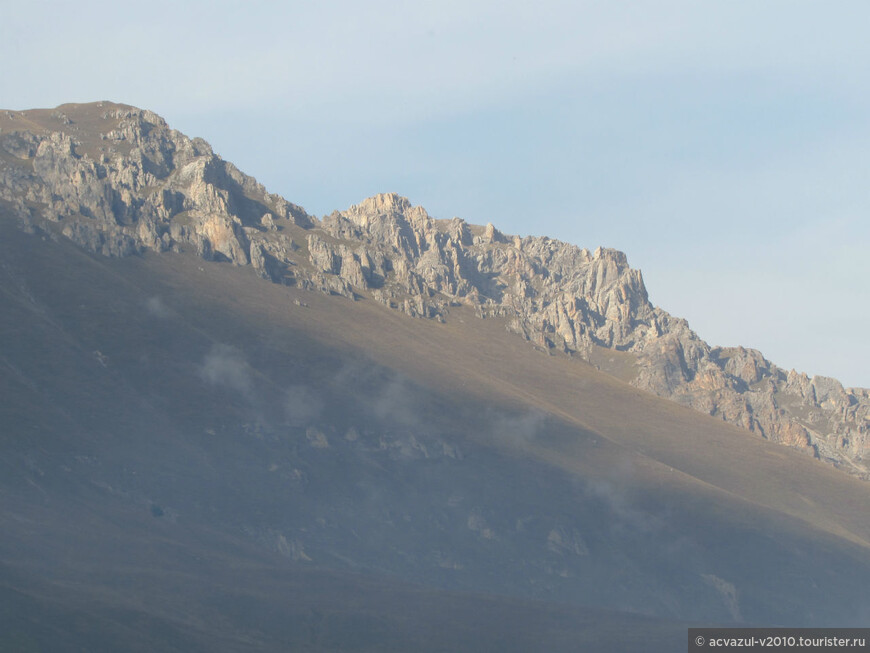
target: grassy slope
<point>84,552</point>
<point>671,446</point>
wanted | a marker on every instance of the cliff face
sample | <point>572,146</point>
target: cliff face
<point>118,181</point>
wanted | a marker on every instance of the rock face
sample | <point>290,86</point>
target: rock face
<point>118,181</point>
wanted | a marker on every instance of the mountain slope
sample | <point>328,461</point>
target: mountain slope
<point>118,181</point>
<point>193,458</point>
<point>169,420</point>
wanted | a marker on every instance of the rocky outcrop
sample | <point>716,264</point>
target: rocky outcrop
<point>118,181</point>
<point>131,184</point>
<point>562,297</point>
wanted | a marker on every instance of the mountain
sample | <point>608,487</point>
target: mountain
<point>118,181</point>
<point>229,425</point>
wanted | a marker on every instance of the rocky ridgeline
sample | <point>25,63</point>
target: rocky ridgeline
<point>125,183</point>
<point>118,181</point>
<point>562,297</point>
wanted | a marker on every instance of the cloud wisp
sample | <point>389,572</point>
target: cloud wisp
<point>225,366</point>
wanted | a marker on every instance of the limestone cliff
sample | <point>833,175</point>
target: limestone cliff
<point>118,181</point>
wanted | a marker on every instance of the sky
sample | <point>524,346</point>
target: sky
<point>723,145</point>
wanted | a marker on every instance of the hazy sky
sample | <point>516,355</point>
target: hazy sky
<point>724,146</point>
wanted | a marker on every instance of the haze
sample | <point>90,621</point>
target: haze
<point>722,146</point>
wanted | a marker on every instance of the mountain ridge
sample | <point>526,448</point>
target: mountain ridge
<point>194,458</point>
<point>118,181</point>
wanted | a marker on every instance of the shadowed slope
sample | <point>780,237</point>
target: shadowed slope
<point>191,456</point>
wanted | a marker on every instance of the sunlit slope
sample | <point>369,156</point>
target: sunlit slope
<point>162,412</point>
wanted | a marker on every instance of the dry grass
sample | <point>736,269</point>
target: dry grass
<point>660,493</point>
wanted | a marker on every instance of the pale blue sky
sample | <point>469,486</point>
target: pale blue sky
<point>722,145</point>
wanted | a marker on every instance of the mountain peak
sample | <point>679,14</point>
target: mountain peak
<point>384,203</point>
